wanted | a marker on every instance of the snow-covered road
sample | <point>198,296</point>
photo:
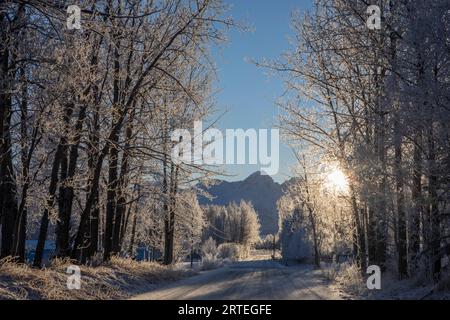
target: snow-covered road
<point>257,279</point>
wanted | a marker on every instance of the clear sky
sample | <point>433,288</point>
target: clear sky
<point>247,92</point>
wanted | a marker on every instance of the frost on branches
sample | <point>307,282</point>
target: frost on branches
<point>373,105</point>
<point>85,122</point>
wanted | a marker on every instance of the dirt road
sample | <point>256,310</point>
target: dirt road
<point>257,279</point>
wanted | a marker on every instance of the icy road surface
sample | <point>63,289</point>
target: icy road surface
<point>257,279</point>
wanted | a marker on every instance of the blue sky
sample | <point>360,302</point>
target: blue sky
<point>246,91</point>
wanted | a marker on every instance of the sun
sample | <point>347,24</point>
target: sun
<point>337,181</point>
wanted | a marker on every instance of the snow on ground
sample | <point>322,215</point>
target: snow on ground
<point>258,278</point>
<point>350,283</point>
<point>118,279</point>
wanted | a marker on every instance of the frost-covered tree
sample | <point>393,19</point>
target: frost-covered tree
<point>236,223</point>
<point>190,224</point>
<point>86,117</point>
<point>374,102</point>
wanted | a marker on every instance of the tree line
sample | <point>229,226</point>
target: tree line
<point>234,223</point>
<point>374,103</point>
<point>86,118</point>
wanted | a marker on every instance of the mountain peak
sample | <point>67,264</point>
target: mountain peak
<point>258,176</point>
<point>254,174</point>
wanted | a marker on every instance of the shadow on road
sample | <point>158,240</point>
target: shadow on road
<point>249,280</point>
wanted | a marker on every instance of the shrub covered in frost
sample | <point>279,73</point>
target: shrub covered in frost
<point>209,250</point>
<point>230,251</point>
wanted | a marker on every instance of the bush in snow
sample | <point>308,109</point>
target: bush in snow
<point>210,255</point>
<point>350,278</point>
<point>230,251</point>
<point>209,250</point>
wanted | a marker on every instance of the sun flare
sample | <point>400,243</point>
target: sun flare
<point>336,180</point>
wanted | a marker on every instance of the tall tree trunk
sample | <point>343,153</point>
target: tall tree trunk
<point>90,205</point>
<point>372,234</point>
<point>111,200</point>
<point>93,193</point>
<point>311,216</point>
<point>113,163</point>
<point>59,155</point>
<point>172,210</point>
<point>124,227</point>
<point>134,224</point>
<point>8,193</point>
<point>133,235</point>
<point>61,197</point>
<point>45,216</point>
<point>168,223</point>
<point>315,240</point>
<point>94,213</point>
<point>402,250</point>
<point>380,215</point>
<point>119,219</point>
<point>417,207</point>
<point>8,200</point>
<point>359,238</point>
<point>67,191</point>
<point>166,195</point>
<point>93,216</point>
<point>28,145</point>
<point>435,233</point>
